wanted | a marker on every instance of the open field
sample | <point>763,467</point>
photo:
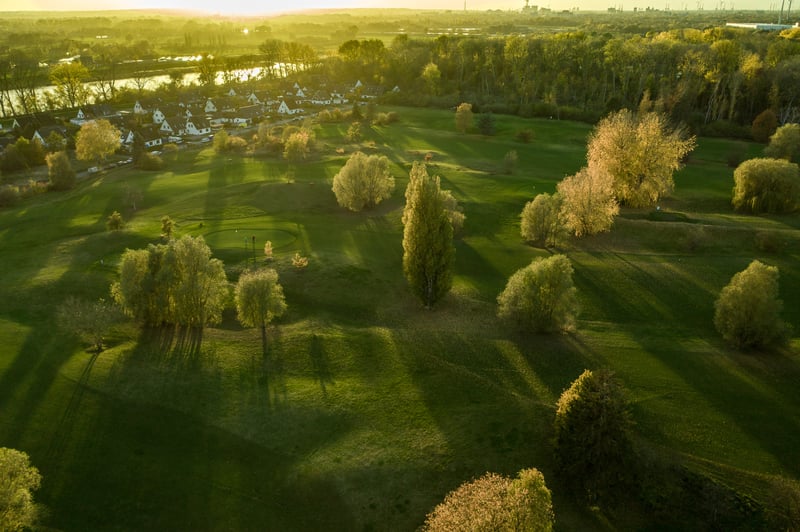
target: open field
<point>368,408</point>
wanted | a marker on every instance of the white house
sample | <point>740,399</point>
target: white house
<point>173,125</point>
<point>158,116</point>
<point>197,126</point>
<point>210,107</point>
<point>320,98</point>
<point>138,108</point>
<point>231,92</point>
<point>283,109</point>
<point>252,99</point>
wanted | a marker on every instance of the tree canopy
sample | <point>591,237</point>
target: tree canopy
<point>18,480</point>
<point>541,220</point>
<point>640,152</point>
<point>766,185</point>
<point>540,297</point>
<point>494,503</point>
<point>259,299</point>
<point>592,434</point>
<point>96,140</point>
<point>588,205</point>
<point>173,283</point>
<point>428,252</point>
<point>59,170</point>
<point>747,311</point>
<point>363,182</point>
<point>785,143</point>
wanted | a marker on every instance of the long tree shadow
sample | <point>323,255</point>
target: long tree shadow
<point>320,364</point>
<point>65,426</point>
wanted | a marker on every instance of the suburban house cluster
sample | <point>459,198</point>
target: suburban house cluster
<point>193,117</point>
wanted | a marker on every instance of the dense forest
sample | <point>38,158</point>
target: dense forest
<point>716,79</point>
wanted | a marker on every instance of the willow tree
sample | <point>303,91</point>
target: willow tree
<point>428,252</point>
<point>747,311</point>
<point>363,182</point>
<point>259,298</point>
<point>640,152</point>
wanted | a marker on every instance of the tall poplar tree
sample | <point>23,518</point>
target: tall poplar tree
<point>428,252</point>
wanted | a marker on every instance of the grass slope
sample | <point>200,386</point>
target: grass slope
<point>368,408</point>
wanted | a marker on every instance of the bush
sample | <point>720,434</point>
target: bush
<point>540,297</point>
<point>766,185</point>
<point>299,262</point>
<point>747,311</point>
<point>115,222</point>
<point>384,119</point>
<point>9,195</point>
<point>764,126</point>
<point>541,221</point>
<point>785,143</point>
<point>525,136</point>
<point>150,162</point>
<point>464,117</point>
<point>510,161</point>
<point>592,435</point>
<point>769,242</point>
<point>454,211</point>
<point>59,170</point>
<point>486,124</point>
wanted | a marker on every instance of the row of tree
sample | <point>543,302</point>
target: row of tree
<point>698,76</point>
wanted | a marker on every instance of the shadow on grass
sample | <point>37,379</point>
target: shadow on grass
<point>756,392</point>
<point>320,364</point>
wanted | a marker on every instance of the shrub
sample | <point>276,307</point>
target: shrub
<point>384,119</point>
<point>747,311</point>
<point>764,125</point>
<point>785,143</point>
<point>150,162</point>
<point>114,221</point>
<point>510,161</point>
<point>769,242</point>
<point>541,220</point>
<point>299,262</point>
<point>454,211</point>
<point>59,170</point>
<point>170,151</point>
<point>592,435</point>
<point>464,117</point>
<point>354,132</point>
<point>766,185</point>
<point>486,124</point>
<point>525,136</point>
<point>540,297</point>
<point>9,195</point>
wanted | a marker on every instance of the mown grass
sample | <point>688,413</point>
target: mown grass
<point>368,408</point>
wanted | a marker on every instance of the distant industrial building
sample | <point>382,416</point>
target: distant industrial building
<point>762,26</point>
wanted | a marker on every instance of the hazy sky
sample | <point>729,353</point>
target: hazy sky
<point>255,7</point>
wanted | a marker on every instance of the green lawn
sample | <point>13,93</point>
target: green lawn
<point>368,408</point>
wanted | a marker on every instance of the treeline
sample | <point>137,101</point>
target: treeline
<point>716,76</point>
